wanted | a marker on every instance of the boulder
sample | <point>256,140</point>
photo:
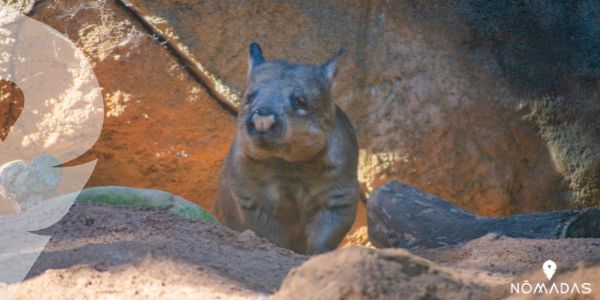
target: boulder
<point>213,36</point>
<point>361,273</point>
<point>441,99</point>
<point>457,98</point>
<point>403,216</point>
<point>162,130</point>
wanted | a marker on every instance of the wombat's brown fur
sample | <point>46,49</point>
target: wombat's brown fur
<point>291,172</point>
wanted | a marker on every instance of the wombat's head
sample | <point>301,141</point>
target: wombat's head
<point>287,110</point>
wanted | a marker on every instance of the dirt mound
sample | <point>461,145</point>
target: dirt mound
<point>479,269</point>
<point>361,273</point>
<point>102,250</point>
<point>495,260</point>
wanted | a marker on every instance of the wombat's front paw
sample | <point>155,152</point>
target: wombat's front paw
<point>328,228</point>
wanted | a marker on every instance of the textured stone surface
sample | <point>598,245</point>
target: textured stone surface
<point>436,118</point>
<point>434,93</point>
<point>489,104</point>
<point>464,99</point>
<point>161,130</point>
<point>214,36</point>
<point>403,216</point>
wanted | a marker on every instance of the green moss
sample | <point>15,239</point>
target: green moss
<point>154,199</point>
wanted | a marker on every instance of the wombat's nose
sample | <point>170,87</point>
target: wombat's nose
<point>263,120</point>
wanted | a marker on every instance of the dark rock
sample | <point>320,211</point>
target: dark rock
<point>404,216</point>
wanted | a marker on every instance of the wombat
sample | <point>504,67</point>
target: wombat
<point>291,172</point>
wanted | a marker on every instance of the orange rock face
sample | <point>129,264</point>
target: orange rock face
<point>437,101</point>
<point>430,107</point>
<point>161,129</point>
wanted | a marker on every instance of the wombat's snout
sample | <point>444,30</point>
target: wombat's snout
<point>263,122</point>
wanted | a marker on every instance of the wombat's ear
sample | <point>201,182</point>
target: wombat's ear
<point>255,57</point>
<point>328,68</point>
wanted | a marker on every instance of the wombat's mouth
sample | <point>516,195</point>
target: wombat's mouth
<point>265,139</point>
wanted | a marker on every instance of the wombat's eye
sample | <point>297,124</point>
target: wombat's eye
<point>299,103</point>
<point>250,97</point>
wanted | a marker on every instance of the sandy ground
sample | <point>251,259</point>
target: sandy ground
<point>496,260</point>
<point>105,252</point>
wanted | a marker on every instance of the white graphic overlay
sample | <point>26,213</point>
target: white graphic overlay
<point>549,268</point>
<point>61,119</point>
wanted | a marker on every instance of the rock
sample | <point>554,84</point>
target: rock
<point>213,37</point>
<point>360,273</point>
<point>436,103</point>
<point>455,125</point>
<point>162,130</point>
<point>404,216</point>
<point>480,115</point>
<point>436,117</point>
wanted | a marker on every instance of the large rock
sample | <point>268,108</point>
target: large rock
<point>213,36</point>
<point>162,130</point>
<point>489,105</point>
<point>436,117</point>
<point>361,273</point>
<point>403,216</point>
<point>441,99</point>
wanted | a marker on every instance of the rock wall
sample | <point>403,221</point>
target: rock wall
<point>489,105</point>
<point>434,100</point>
<point>162,129</point>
